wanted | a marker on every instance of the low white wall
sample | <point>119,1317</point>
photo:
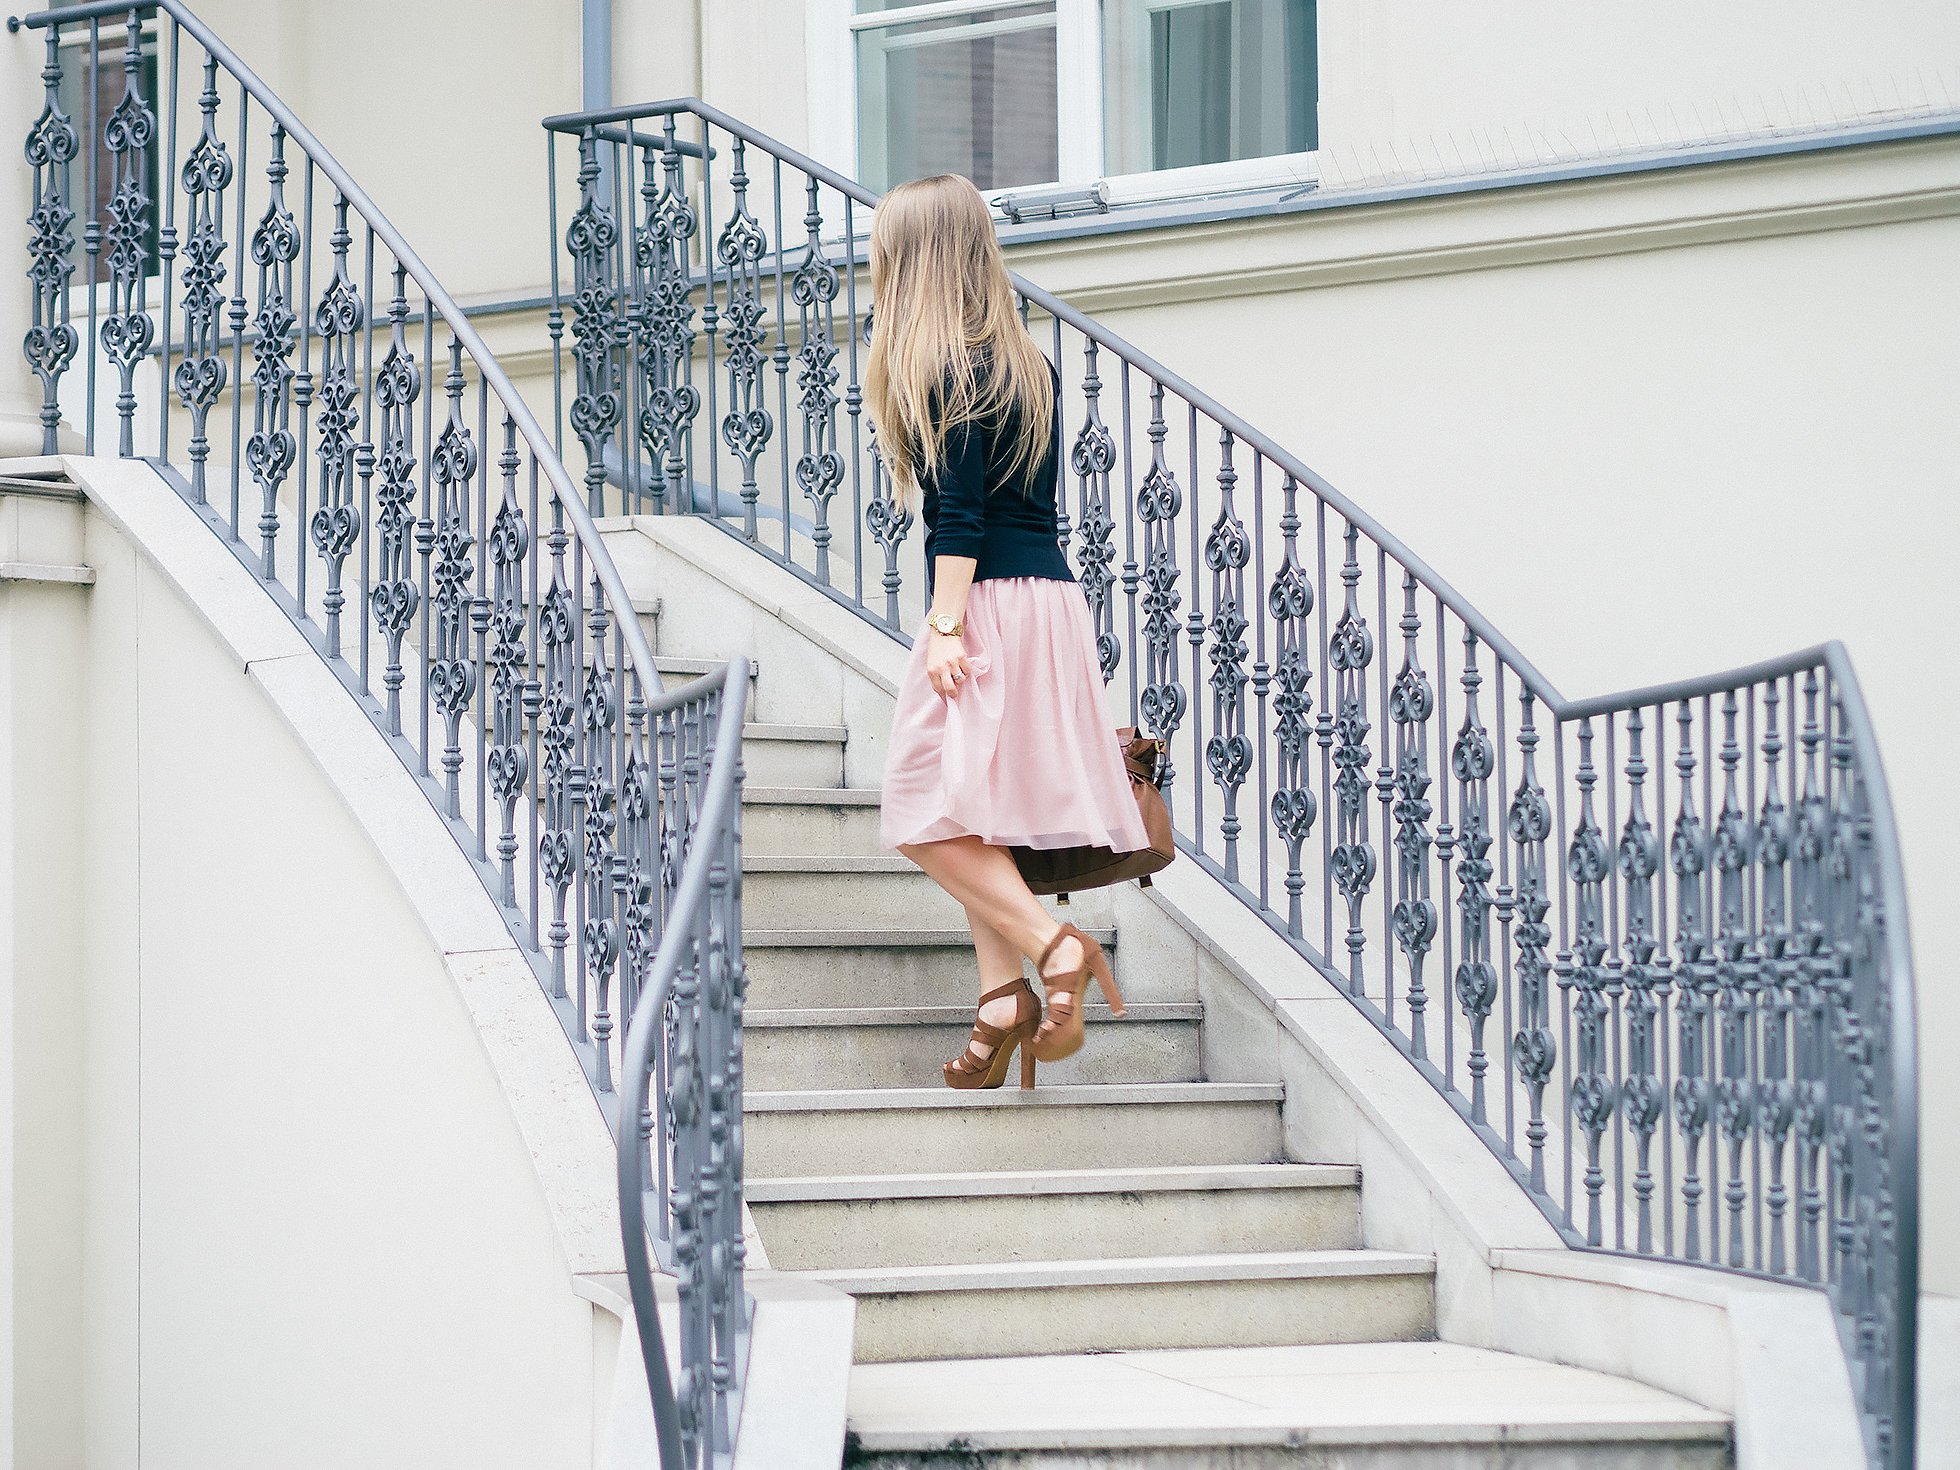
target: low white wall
<point>337,1167</point>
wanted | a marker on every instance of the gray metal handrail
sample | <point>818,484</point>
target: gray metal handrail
<point>1650,946</point>
<point>685,1035</point>
<point>375,468</point>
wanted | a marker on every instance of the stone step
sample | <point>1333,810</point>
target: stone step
<point>793,755</point>
<point>782,820</point>
<point>794,968</point>
<point>934,1129</point>
<point>967,1218</point>
<point>904,1046</point>
<point>1368,1406</point>
<point>883,891</point>
<point>1239,1300</point>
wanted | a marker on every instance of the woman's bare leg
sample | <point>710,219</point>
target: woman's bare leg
<point>989,886</point>
<point>1000,964</point>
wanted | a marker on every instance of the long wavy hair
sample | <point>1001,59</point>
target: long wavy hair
<point>948,345</point>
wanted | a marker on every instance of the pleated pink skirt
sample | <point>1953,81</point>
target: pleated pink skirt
<point>1025,754</point>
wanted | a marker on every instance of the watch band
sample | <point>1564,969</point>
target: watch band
<point>945,624</point>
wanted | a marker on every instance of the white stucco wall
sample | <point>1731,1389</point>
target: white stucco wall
<point>297,1218</point>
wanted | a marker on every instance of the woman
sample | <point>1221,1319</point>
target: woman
<point>1000,737</point>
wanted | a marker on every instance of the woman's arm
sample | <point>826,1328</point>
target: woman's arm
<point>952,576</point>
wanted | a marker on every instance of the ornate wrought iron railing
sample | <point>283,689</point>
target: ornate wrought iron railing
<point>246,318</point>
<point>680,1169</point>
<point>1651,947</point>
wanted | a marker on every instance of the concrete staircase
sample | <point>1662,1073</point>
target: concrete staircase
<point>1122,1268</point>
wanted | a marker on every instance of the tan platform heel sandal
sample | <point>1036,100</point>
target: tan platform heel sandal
<point>969,1070</point>
<point>1062,1037</point>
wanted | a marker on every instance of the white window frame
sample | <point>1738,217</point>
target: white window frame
<point>831,28</point>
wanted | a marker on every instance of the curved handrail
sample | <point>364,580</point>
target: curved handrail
<point>710,873</point>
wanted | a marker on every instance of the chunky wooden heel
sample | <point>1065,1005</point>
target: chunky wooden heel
<point>970,1071</point>
<point>1061,1036</point>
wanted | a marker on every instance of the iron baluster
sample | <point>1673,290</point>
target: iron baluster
<point>747,425</point>
<point>509,758</point>
<point>1587,864</point>
<point>1736,978</point>
<point>592,238</point>
<point>1411,701</point>
<point>1092,457</point>
<point>820,468</point>
<point>1159,499</point>
<point>1352,649</point>
<point>666,326</point>
<point>272,448</point>
<point>1695,984</point>
<point>1228,752</point>
<point>1813,835</point>
<point>397,385</point>
<point>1776,1093</point>
<point>1643,1099</point>
<point>336,521</point>
<point>128,332</point>
<point>1533,1050</point>
<point>200,377</point>
<point>51,341</point>
<point>1472,759</point>
<point>1290,601</point>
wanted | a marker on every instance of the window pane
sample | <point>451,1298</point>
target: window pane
<point>1202,81</point>
<point>970,94</point>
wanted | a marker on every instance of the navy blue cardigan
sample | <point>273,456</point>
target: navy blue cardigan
<point>973,507</point>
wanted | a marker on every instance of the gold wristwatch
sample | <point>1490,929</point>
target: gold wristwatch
<point>945,624</point>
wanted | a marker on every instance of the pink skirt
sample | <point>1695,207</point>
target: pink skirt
<point>1025,754</point>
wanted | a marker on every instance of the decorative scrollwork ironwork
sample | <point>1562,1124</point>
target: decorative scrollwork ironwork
<point>395,597</point>
<point>451,672</point>
<point>1584,974</point>
<point>1092,457</point>
<point>1411,701</point>
<point>1289,602</point>
<point>1159,499</point>
<point>592,239</point>
<point>601,872</point>
<point>557,737</point>
<point>508,759</point>
<point>747,426</point>
<point>336,522</point>
<point>820,468</point>
<point>1472,760</point>
<point>127,330</point>
<point>51,341</point>
<point>1643,1099</point>
<point>1533,1050</point>
<point>1695,982</point>
<point>272,449</point>
<point>665,322</point>
<point>1776,1093</point>
<point>1737,977</point>
<point>200,376</point>
<point>1351,649</point>
<point>1228,753</point>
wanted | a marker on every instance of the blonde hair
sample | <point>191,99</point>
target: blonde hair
<point>944,300</point>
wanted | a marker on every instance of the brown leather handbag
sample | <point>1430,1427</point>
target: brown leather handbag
<point>1066,870</point>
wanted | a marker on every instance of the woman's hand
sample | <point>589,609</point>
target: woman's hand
<point>946,663</point>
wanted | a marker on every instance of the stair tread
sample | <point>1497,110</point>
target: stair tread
<point>1066,1095</point>
<point>793,1188</point>
<point>1127,1271</point>
<point>879,938</point>
<point>1324,1394</point>
<point>810,795</point>
<point>776,730</point>
<point>1138,1011</point>
<point>825,862</point>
